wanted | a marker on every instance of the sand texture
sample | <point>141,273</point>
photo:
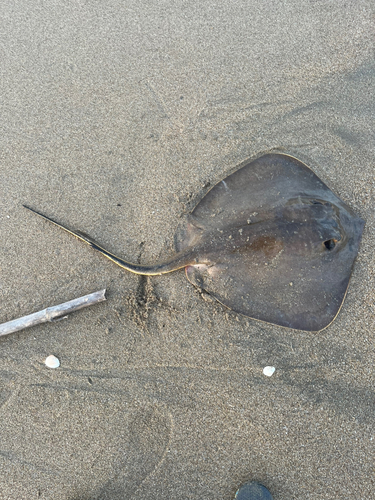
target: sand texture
<point>116,118</point>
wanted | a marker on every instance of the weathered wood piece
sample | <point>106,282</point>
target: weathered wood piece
<point>52,313</point>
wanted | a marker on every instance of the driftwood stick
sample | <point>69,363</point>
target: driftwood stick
<point>52,313</point>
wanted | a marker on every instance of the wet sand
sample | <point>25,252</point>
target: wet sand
<point>116,118</point>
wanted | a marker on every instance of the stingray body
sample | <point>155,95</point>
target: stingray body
<point>271,241</point>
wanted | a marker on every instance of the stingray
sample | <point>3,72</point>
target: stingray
<point>271,241</point>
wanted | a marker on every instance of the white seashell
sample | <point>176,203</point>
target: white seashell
<point>268,371</point>
<point>52,362</point>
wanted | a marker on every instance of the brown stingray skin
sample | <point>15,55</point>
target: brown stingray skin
<point>270,241</point>
<point>273,242</point>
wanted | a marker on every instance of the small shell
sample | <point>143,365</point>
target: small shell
<point>52,362</point>
<point>268,371</point>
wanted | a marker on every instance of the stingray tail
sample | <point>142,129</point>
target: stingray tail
<point>177,262</point>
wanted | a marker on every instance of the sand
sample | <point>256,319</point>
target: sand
<point>116,117</point>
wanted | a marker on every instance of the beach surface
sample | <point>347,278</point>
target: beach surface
<point>117,117</point>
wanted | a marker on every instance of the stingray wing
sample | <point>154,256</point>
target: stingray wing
<point>260,187</point>
<point>303,242</point>
<point>269,283</point>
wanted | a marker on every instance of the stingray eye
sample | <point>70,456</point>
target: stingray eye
<point>330,244</point>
